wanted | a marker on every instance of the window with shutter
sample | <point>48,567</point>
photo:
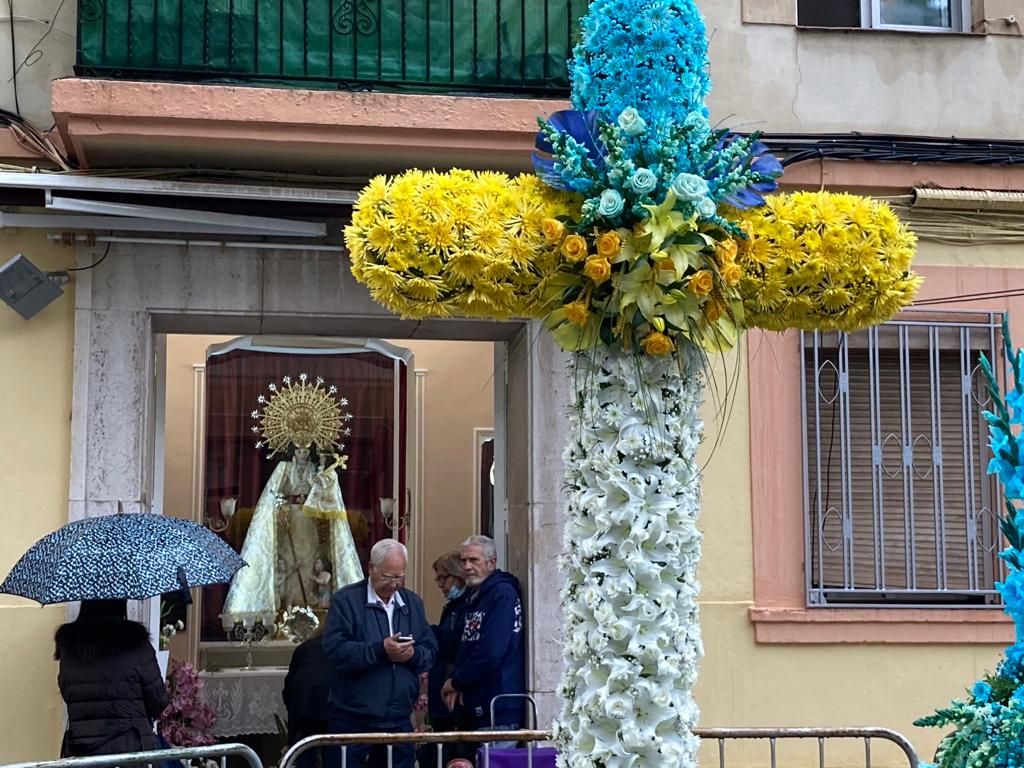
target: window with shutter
<point>898,505</point>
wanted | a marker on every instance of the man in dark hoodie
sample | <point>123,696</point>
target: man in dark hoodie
<point>490,659</point>
<point>378,640</point>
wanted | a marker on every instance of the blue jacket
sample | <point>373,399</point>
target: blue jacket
<point>448,632</point>
<point>490,660</point>
<point>367,685</point>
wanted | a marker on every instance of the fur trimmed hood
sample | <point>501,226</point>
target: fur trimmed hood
<point>99,639</point>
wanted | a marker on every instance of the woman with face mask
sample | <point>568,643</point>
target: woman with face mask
<point>448,578</point>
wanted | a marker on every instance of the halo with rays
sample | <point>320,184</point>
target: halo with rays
<point>302,413</point>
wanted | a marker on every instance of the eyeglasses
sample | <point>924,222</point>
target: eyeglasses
<point>391,578</point>
<point>443,578</point>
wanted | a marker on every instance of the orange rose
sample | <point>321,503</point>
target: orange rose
<point>726,251</point>
<point>609,244</point>
<point>577,312</point>
<point>731,273</point>
<point>701,283</point>
<point>655,343</point>
<point>597,269</point>
<point>713,310</point>
<point>575,248</point>
<point>666,264</point>
<point>553,230</point>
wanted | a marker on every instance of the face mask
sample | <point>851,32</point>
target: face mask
<point>455,592</point>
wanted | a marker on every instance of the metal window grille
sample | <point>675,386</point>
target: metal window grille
<point>898,506</point>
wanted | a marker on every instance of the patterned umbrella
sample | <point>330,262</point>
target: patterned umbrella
<point>131,556</point>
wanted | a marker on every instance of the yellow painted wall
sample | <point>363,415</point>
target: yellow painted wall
<point>743,683</point>
<point>35,435</point>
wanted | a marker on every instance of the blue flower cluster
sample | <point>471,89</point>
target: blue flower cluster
<point>622,171</point>
<point>990,726</point>
<point>651,55</point>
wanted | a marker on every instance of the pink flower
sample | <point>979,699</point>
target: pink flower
<point>187,721</point>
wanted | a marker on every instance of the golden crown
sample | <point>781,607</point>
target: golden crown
<point>301,413</point>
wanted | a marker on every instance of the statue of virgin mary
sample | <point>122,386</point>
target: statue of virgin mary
<point>300,517</point>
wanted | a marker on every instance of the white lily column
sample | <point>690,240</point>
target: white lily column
<point>631,551</point>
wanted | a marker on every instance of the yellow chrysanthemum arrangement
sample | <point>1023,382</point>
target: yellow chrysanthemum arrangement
<point>430,244</point>
<point>825,261</point>
<point>646,288</point>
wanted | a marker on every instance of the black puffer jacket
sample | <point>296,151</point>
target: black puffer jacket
<point>111,683</point>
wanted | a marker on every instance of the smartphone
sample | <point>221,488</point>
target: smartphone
<point>405,638</point>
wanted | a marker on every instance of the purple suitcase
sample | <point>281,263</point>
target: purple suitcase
<point>543,757</point>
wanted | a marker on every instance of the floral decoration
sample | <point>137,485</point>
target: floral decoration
<point>632,243</point>
<point>431,244</point>
<point>824,261</point>
<point>168,631</point>
<point>187,721</point>
<point>989,723</point>
<point>630,555</point>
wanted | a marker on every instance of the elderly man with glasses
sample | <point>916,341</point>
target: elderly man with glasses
<point>378,639</point>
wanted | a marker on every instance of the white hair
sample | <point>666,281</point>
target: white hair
<point>486,544</point>
<point>385,547</point>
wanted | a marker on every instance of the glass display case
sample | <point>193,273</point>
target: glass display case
<point>304,469</point>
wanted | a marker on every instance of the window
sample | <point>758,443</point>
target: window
<point>898,506</point>
<point>911,15</point>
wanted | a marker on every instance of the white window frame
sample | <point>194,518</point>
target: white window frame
<point>960,18</point>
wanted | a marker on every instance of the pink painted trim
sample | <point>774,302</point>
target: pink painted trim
<point>880,625</point>
<point>780,613</point>
<point>477,131</point>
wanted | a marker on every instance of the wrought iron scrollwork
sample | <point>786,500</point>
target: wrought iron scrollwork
<point>355,15</point>
<point>91,10</point>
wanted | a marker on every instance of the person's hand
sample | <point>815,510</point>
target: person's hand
<point>449,695</point>
<point>398,652</point>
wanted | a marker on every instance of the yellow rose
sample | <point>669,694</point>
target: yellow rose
<point>597,269</point>
<point>655,343</point>
<point>701,283</point>
<point>575,248</point>
<point>577,312</point>
<point>731,273</point>
<point>726,251</point>
<point>553,230</point>
<point>609,244</point>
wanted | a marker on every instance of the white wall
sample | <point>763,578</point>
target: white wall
<point>44,48</point>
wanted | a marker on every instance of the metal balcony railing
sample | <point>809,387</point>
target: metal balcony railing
<point>454,46</point>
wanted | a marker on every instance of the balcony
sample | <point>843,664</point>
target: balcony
<point>424,46</point>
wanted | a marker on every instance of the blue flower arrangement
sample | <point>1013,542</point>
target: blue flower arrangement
<point>646,55</point>
<point>990,722</point>
<point>640,128</point>
<point>621,173</point>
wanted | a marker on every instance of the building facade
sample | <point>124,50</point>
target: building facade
<point>849,526</point>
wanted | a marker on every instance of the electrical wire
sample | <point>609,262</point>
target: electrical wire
<point>94,264</point>
<point>14,58</point>
<point>801,147</point>
<point>35,140</point>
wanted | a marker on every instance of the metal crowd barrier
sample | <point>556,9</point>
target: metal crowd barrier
<point>821,735</point>
<point>721,735</point>
<point>530,737</point>
<point>218,752</point>
<point>345,740</point>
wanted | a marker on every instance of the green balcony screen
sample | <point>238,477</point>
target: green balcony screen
<point>443,44</point>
